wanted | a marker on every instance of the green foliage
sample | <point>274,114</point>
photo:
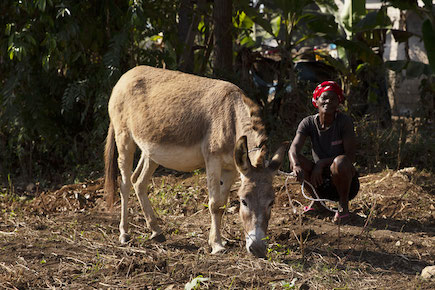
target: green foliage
<point>60,60</point>
<point>352,13</point>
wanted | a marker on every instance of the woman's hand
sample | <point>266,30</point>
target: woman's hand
<point>316,175</point>
<point>299,172</point>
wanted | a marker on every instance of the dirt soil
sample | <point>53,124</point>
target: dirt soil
<point>67,239</point>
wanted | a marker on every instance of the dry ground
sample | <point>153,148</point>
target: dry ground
<point>66,239</point>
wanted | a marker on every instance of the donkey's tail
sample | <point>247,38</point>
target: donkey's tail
<point>111,167</point>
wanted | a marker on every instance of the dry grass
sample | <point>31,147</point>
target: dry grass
<point>65,239</point>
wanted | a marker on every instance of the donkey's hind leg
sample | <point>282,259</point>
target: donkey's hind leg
<point>126,149</point>
<point>141,176</point>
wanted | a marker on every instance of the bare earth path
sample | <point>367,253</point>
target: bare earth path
<point>66,239</point>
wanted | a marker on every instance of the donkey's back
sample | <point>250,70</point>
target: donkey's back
<point>170,107</point>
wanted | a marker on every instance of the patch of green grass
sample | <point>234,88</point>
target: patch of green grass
<point>197,172</point>
<point>97,265</point>
<point>278,252</point>
<point>163,197</point>
<point>283,284</point>
<point>8,193</point>
<point>172,198</point>
<point>142,239</point>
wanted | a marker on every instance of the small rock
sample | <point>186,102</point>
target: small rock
<point>428,272</point>
<point>398,244</point>
<point>30,187</point>
<point>410,243</point>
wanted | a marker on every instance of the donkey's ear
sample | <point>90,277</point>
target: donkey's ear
<point>278,157</point>
<point>241,157</point>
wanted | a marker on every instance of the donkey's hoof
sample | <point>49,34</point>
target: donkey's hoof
<point>124,238</point>
<point>158,237</point>
<point>217,248</point>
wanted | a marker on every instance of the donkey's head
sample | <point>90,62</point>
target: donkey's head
<point>256,194</point>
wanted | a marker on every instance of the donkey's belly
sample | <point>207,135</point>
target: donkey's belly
<point>175,157</point>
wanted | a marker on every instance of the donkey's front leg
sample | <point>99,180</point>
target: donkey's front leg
<point>216,203</point>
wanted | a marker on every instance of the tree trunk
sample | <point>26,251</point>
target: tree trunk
<point>186,34</point>
<point>223,50</point>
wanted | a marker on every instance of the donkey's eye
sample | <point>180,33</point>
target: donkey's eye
<point>244,202</point>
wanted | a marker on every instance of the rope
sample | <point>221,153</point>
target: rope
<point>318,199</point>
<point>321,200</point>
<point>289,197</point>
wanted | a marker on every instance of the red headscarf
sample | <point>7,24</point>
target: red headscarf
<point>328,86</point>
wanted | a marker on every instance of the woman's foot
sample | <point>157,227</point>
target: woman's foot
<point>317,211</point>
<point>342,218</point>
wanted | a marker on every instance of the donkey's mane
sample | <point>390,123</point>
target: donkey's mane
<point>257,124</point>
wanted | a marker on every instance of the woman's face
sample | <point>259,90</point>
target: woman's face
<point>328,102</point>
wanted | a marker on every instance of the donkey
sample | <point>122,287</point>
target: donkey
<point>185,122</point>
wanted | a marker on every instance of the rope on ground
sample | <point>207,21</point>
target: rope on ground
<point>318,199</point>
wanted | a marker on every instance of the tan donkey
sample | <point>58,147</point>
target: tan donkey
<point>185,122</point>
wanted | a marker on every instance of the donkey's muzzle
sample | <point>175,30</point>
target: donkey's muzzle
<point>255,243</point>
<point>258,249</point>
